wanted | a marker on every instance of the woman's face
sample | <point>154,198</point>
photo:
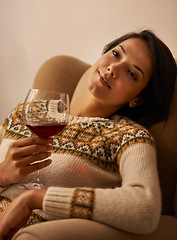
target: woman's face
<point>119,76</point>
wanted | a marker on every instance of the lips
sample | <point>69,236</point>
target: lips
<point>103,79</point>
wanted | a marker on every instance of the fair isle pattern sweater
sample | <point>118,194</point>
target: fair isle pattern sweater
<point>102,169</point>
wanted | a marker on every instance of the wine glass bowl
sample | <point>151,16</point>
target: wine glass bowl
<point>45,113</point>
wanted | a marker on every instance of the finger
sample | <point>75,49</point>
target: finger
<point>32,158</point>
<point>31,141</point>
<point>31,149</point>
<point>37,166</point>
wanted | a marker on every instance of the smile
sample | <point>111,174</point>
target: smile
<point>102,78</point>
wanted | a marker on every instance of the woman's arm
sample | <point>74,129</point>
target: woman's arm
<point>133,207</point>
<point>20,158</point>
<point>16,215</point>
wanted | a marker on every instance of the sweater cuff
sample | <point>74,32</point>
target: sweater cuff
<point>57,201</point>
<point>69,202</point>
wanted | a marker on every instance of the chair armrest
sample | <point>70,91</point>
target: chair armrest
<point>80,229</point>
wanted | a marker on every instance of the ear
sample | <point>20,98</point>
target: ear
<point>136,101</point>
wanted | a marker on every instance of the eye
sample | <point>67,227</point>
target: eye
<point>116,54</point>
<point>133,75</point>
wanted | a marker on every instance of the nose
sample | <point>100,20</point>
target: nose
<point>113,70</point>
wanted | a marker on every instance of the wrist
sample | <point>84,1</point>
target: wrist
<point>3,183</point>
<point>35,198</point>
<point>4,175</point>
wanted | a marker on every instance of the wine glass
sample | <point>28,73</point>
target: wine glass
<point>45,113</point>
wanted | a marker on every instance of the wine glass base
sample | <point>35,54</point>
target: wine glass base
<point>33,185</point>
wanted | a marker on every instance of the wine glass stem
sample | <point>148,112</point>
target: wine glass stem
<point>37,178</point>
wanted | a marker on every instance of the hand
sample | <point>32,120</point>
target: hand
<point>20,158</point>
<point>17,213</point>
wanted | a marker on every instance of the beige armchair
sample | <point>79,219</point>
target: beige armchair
<point>68,74</point>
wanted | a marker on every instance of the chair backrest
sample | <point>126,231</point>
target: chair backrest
<point>166,145</point>
<point>68,74</point>
<point>60,73</point>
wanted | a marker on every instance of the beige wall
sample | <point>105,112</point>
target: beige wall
<point>31,31</point>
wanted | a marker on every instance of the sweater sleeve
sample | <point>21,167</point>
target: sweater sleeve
<point>2,132</point>
<point>133,207</point>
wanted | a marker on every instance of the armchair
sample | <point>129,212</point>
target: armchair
<point>68,74</point>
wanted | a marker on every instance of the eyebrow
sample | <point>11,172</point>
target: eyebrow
<point>138,68</point>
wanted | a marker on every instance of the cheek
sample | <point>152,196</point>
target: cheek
<point>91,78</point>
<point>122,87</point>
<point>122,93</point>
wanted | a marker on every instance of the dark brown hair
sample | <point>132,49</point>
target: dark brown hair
<point>158,94</point>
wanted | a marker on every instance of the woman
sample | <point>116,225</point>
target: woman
<point>107,172</point>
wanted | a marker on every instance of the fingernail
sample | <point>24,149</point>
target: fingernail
<point>50,147</point>
<point>49,154</point>
<point>50,140</point>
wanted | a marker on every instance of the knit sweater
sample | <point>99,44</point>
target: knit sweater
<point>102,169</point>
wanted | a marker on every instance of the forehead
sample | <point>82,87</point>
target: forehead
<point>136,47</point>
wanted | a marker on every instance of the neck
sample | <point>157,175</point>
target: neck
<point>89,106</point>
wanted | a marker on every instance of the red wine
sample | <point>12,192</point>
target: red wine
<point>46,130</point>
